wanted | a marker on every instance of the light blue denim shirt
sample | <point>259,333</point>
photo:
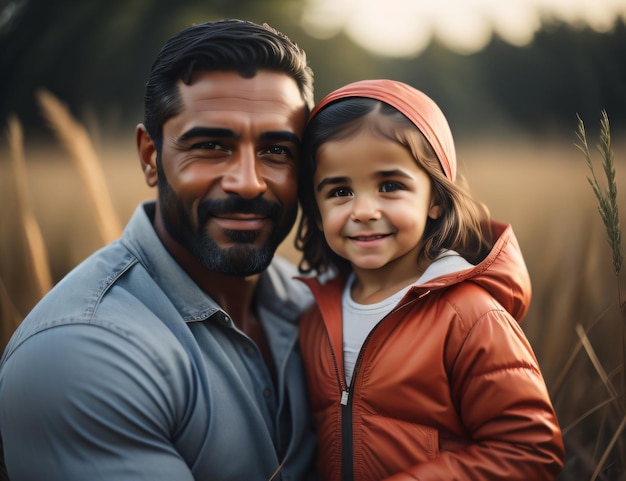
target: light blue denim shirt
<point>127,370</point>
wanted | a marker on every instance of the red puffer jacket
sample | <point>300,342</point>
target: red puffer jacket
<point>446,387</point>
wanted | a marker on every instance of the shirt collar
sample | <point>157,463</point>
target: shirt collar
<point>277,291</point>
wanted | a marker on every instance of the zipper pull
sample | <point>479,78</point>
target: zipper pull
<point>344,398</point>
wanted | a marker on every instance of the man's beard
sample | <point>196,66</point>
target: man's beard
<point>243,258</point>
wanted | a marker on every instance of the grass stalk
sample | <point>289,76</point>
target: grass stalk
<point>586,343</point>
<point>76,141</point>
<point>37,252</point>
<point>608,208</point>
<point>609,212</point>
<point>585,415</point>
<point>561,378</point>
<point>10,315</point>
<point>607,200</point>
<point>617,436</point>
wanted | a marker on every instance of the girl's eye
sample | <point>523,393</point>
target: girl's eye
<point>390,186</point>
<point>340,192</point>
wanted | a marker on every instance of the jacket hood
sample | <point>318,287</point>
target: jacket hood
<point>502,273</point>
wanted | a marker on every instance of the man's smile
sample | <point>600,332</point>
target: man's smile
<point>241,221</point>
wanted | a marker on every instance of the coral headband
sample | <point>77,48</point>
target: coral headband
<point>414,104</point>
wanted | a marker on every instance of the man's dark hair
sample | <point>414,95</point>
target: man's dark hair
<point>238,45</point>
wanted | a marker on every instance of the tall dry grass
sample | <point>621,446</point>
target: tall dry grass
<point>28,257</point>
<point>20,222</point>
<point>538,186</point>
<point>76,140</point>
<point>35,245</point>
<point>611,444</point>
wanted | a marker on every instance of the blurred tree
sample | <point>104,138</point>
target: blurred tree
<point>538,88</point>
<point>95,55</point>
<point>562,73</point>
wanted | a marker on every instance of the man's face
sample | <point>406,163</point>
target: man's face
<point>227,172</point>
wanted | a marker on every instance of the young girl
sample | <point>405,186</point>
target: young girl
<point>417,366</point>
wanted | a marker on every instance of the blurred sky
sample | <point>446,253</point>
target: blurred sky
<point>403,28</point>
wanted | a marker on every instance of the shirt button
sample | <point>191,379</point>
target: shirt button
<point>267,392</point>
<point>248,350</point>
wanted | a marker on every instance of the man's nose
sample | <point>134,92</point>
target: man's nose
<point>243,176</point>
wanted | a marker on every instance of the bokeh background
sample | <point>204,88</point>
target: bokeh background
<point>512,76</point>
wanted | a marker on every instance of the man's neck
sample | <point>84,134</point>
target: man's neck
<point>234,294</point>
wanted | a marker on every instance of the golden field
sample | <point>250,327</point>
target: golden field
<point>539,186</point>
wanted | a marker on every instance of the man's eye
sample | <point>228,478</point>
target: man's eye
<point>340,192</point>
<point>206,145</point>
<point>390,186</point>
<point>278,150</point>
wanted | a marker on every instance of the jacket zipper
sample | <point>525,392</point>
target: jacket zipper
<point>347,464</point>
<point>346,419</point>
<point>347,469</point>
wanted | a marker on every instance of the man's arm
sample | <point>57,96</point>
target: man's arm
<point>80,401</point>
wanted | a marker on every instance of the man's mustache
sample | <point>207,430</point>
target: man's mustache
<point>234,205</point>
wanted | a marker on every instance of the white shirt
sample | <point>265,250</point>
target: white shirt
<point>360,319</point>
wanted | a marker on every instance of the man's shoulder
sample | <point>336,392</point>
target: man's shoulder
<point>97,316</point>
<point>78,298</point>
<point>85,285</point>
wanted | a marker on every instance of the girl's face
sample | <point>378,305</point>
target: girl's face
<point>374,200</point>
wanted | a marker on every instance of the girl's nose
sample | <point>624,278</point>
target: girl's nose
<point>364,209</point>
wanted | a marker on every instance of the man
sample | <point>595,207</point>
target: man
<point>171,354</point>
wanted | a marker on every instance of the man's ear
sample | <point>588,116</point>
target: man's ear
<point>147,155</point>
